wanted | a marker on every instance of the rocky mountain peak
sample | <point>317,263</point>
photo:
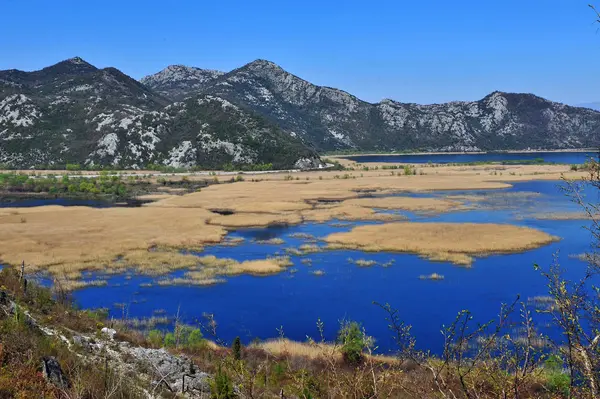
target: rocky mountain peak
<point>71,66</point>
<point>77,61</point>
<point>263,64</point>
<point>180,81</point>
<point>178,73</point>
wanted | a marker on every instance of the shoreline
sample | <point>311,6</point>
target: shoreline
<point>569,150</point>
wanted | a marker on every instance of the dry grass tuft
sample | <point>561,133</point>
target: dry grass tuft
<point>189,281</point>
<point>232,241</point>
<point>219,266</point>
<point>310,249</point>
<point>347,212</point>
<point>271,241</point>
<point>433,276</point>
<point>407,204</point>
<point>439,241</point>
<point>72,285</point>
<point>362,262</point>
<point>458,259</point>
<point>563,216</point>
<point>312,350</point>
<point>302,236</point>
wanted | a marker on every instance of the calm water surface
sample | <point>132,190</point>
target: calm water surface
<point>550,157</point>
<point>256,307</point>
<point>31,202</point>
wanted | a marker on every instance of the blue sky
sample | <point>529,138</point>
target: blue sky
<point>411,51</point>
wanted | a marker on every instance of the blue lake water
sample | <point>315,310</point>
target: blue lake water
<point>256,307</point>
<point>550,157</point>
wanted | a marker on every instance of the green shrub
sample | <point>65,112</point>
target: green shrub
<point>155,337</point>
<point>557,380</point>
<point>221,387</point>
<point>352,340</point>
<point>191,338</point>
<point>73,166</point>
<point>237,348</point>
<point>169,340</point>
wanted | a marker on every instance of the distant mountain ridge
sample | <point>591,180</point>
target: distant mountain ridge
<point>73,112</point>
<point>332,119</point>
<point>595,106</point>
<point>256,114</point>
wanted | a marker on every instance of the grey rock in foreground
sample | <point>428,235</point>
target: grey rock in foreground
<point>163,370</point>
<point>175,371</point>
<point>53,373</point>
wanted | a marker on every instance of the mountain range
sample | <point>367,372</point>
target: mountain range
<point>257,114</point>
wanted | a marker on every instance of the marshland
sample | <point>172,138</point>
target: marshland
<point>369,232</point>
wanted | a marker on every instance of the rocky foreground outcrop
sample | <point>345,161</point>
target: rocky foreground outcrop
<point>132,365</point>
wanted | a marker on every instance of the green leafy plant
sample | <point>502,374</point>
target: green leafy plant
<point>352,340</point>
<point>156,338</point>
<point>237,348</point>
<point>221,386</point>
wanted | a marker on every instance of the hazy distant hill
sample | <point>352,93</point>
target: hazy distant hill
<point>594,106</point>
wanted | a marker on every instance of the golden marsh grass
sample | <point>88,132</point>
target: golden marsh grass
<point>347,212</point>
<point>563,216</point>
<point>240,220</point>
<point>432,276</point>
<point>78,238</point>
<point>407,203</point>
<point>189,281</point>
<point>439,241</point>
<point>312,350</point>
<point>362,262</point>
<point>67,240</point>
<point>271,241</point>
